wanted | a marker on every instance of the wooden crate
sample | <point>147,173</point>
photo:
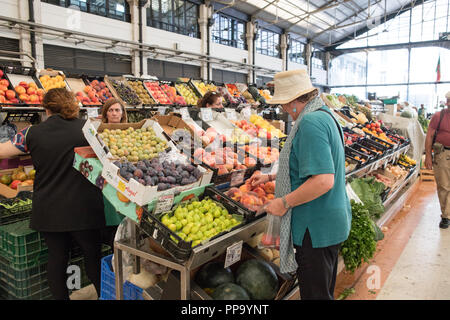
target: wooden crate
<point>427,175</point>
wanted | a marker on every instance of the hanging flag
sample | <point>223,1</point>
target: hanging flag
<point>438,70</point>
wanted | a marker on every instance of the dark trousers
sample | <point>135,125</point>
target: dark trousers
<point>59,244</point>
<point>317,270</point>
<point>108,235</point>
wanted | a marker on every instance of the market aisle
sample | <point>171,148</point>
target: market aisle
<point>413,258</point>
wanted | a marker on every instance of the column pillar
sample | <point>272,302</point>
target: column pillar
<point>30,42</point>
<point>135,56</point>
<point>308,55</point>
<point>283,49</point>
<point>327,64</point>
<point>250,36</point>
<point>205,13</point>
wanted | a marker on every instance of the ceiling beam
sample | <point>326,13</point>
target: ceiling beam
<point>366,28</point>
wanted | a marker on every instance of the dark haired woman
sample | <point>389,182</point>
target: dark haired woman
<point>114,112</point>
<point>66,205</point>
<point>211,99</point>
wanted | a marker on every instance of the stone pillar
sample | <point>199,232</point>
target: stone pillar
<point>135,58</point>
<point>205,13</point>
<point>308,54</point>
<point>25,39</point>
<point>250,35</point>
<point>327,65</point>
<point>145,35</point>
<point>283,49</point>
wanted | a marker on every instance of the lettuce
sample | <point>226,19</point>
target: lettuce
<point>369,190</point>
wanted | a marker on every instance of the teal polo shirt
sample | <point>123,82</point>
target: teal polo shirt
<point>317,148</point>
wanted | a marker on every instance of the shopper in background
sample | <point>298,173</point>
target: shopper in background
<point>310,188</point>
<point>421,111</point>
<point>66,205</point>
<point>437,157</point>
<point>112,112</point>
<point>211,99</point>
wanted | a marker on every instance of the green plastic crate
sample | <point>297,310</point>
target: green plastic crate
<point>34,291</point>
<point>21,273</point>
<point>41,295</point>
<point>17,239</point>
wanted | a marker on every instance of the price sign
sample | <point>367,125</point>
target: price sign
<point>231,114</point>
<point>184,113</point>
<point>92,112</point>
<point>237,178</point>
<point>233,253</point>
<point>246,112</point>
<point>206,114</point>
<point>164,204</point>
<point>162,110</point>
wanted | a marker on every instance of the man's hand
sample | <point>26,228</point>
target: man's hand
<point>429,162</point>
<point>275,207</point>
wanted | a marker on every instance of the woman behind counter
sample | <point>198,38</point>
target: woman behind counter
<point>66,205</point>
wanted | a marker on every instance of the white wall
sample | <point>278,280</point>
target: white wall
<point>320,75</point>
<point>294,66</point>
<point>228,53</point>
<point>9,9</point>
<point>268,62</point>
<point>168,39</point>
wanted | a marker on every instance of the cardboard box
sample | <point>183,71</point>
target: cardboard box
<point>171,122</point>
<point>278,124</point>
<point>12,193</point>
<point>143,195</point>
<point>92,128</point>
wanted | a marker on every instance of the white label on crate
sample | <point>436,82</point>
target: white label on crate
<point>155,233</point>
<point>164,204</point>
<point>206,114</point>
<point>162,110</point>
<point>246,112</point>
<point>233,253</point>
<point>237,178</point>
<point>184,113</point>
<point>231,114</point>
<point>92,112</point>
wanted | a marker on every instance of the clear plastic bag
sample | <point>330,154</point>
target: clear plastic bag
<point>7,132</point>
<point>271,236</point>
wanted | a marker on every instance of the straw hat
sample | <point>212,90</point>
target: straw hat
<point>447,95</point>
<point>289,85</point>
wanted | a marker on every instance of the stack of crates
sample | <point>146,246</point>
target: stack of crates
<point>23,263</point>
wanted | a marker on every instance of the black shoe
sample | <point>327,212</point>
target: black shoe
<point>444,223</point>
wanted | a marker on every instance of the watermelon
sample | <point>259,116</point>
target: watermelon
<point>230,291</point>
<point>258,278</point>
<point>213,274</point>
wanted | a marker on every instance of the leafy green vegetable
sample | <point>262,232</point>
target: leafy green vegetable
<point>406,114</point>
<point>360,245</point>
<point>424,122</point>
<point>369,190</point>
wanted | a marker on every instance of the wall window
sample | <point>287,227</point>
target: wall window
<point>115,9</point>
<point>179,16</point>
<point>341,70</point>
<point>228,31</point>
<point>295,52</point>
<point>268,43</point>
<point>318,60</point>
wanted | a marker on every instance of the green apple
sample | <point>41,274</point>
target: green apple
<point>165,220</point>
<point>172,227</point>
<point>182,235</point>
<point>195,229</point>
<point>217,213</point>
<point>179,225</point>
<point>209,219</point>
<point>184,222</point>
<point>196,243</point>
<point>190,218</point>
<point>203,228</point>
<point>203,221</point>
<point>173,220</point>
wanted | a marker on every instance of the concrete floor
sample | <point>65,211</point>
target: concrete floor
<point>413,259</point>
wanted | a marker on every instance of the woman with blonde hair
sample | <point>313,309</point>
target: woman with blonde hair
<point>66,206</point>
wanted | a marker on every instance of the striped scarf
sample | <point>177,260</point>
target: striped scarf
<point>283,187</point>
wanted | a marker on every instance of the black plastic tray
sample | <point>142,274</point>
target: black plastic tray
<point>179,249</point>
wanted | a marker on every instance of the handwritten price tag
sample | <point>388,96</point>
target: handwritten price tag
<point>162,110</point>
<point>237,178</point>
<point>184,113</point>
<point>230,114</point>
<point>164,204</point>
<point>92,112</point>
<point>233,254</point>
<point>206,114</point>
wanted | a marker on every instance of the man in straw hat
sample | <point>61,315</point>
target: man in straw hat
<point>438,142</point>
<point>310,188</point>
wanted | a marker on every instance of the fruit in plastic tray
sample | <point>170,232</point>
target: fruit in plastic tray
<point>223,159</point>
<point>203,88</point>
<point>126,94</point>
<point>51,82</point>
<point>163,174</point>
<point>189,95</point>
<point>138,87</point>
<point>253,197</point>
<point>99,90</point>
<point>133,144</point>
<point>157,93</point>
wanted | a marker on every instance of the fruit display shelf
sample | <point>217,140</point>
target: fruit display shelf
<point>181,247</point>
<point>22,84</point>
<point>84,94</point>
<point>202,87</point>
<point>234,91</point>
<point>185,90</point>
<point>139,87</point>
<point>120,90</point>
<point>169,88</point>
<point>98,87</point>
<point>157,93</point>
<point>49,79</point>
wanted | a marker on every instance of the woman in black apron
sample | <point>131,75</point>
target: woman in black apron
<point>66,205</point>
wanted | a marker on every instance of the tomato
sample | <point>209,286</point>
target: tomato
<point>368,126</point>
